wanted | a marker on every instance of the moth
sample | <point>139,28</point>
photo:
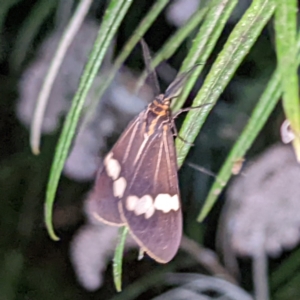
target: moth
<point>138,184</point>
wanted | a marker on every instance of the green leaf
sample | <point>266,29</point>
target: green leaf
<point>111,22</point>
<point>203,44</point>
<point>286,50</point>
<point>118,258</point>
<point>258,119</point>
<point>236,48</point>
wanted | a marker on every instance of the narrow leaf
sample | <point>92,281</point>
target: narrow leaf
<point>236,48</point>
<point>286,50</point>
<point>118,258</point>
<point>111,22</point>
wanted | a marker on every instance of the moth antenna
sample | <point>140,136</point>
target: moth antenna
<point>151,72</point>
<point>205,171</point>
<point>175,87</point>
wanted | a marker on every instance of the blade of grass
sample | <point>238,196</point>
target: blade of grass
<point>205,41</point>
<point>257,120</point>
<point>235,49</point>
<point>286,50</point>
<point>118,258</point>
<point>64,44</point>
<point>113,16</point>
<point>259,117</point>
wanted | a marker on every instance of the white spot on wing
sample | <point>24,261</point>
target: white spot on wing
<point>175,202</point>
<point>112,166</point>
<point>131,202</point>
<point>166,203</point>
<point>149,213</point>
<point>119,187</point>
<point>143,204</point>
<point>107,158</point>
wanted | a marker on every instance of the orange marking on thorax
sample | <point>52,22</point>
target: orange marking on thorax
<point>162,106</point>
<point>158,108</point>
<point>161,110</point>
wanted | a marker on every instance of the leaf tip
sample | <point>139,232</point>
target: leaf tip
<point>201,217</point>
<point>51,233</point>
<point>49,226</point>
<point>118,288</point>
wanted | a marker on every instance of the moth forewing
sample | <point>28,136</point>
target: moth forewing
<point>151,203</point>
<point>112,179</point>
<point>101,203</point>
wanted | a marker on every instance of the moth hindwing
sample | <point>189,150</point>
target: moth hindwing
<point>138,185</point>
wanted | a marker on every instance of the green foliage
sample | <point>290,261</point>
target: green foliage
<point>117,262</point>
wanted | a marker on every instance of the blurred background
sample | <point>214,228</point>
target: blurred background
<point>79,266</point>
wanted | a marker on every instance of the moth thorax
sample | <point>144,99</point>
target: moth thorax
<point>160,106</point>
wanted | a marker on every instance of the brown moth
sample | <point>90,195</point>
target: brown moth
<point>138,185</point>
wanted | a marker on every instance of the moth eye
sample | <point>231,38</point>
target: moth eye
<point>119,187</point>
<point>112,167</point>
<point>166,203</point>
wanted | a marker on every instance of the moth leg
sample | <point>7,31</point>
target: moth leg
<point>185,141</point>
<point>175,133</point>
<point>141,254</point>
<point>188,109</point>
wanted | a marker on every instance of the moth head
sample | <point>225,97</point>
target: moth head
<point>166,101</point>
<point>163,99</point>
